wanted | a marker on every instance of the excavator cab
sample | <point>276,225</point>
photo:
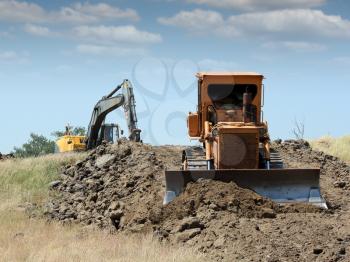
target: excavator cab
<point>109,132</point>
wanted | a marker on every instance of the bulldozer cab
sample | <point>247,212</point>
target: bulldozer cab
<point>221,98</point>
<point>228,102</point>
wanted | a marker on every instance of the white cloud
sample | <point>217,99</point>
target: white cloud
<point>4,34</point>
<point>8,55</point>
<point>297,46</point>
<point>116,34</point>
<point>109,50</point>
<point>197,20</point>
<point>15,11</point>
<point>37,30</point>
<point>12,57</point>
<point>251,5</point>
<point>11,10</point>
<point>300,21</point>
<point>103,10</point>
<point>343,60</point>
<point>282,23</point>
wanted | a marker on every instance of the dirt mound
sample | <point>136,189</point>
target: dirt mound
<point>113,186</point>
<point>335,174</point>
<point>121,187</point>
<point>204,195</point>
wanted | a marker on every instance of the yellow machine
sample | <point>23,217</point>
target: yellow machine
<point>236,144</point>
<point>68,143</point>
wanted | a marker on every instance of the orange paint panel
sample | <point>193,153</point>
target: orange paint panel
<point>193,125</point>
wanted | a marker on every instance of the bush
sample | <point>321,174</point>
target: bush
<point>76,131</point>
<point>36,146</point>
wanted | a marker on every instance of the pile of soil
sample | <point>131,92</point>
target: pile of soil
<point>121,187</point>
<point>335,174</point>
<point>6,156</point>
<point>113,187</point>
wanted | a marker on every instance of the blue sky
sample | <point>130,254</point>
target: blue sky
<point>57,58</point>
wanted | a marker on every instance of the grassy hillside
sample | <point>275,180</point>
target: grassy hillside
<point>339,147</point>
<point>24,181</point>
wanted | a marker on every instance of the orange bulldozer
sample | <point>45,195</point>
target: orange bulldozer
<point>236,144</point>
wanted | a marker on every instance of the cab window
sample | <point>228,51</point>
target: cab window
<point>230,96</point>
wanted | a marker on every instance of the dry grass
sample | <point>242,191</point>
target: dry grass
<point>22,239</point>
<point>25,239</point>
<point>339,147</point>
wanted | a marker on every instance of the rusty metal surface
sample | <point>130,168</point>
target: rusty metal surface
<point>233,150</point>
<point>238,151</point>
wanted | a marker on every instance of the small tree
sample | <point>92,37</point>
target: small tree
<point>37,145</point>
<point>299,129</point>
<point>79,131</point>
<point>57,134</point>
<point>76,131</point>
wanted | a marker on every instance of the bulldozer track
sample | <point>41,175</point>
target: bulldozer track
<point>195,158</point>
<point>275,160</point>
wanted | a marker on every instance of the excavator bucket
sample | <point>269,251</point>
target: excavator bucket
<point>281,185</point>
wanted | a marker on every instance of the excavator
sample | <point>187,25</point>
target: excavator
<point>98,130</point>
<point>236,144</point>
<point>108,104</point>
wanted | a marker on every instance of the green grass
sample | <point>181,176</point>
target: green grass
<point>26,180</point>
<point>339,147</point>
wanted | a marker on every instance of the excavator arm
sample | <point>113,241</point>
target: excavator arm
<point>130,111</point>
<point>108,104</point>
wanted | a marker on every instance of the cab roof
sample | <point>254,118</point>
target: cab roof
<point>201,74</point>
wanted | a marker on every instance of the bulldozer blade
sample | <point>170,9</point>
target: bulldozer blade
<point>280,185</point>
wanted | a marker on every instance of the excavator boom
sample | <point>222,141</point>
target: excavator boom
<point>108,104</point>
<point>130,111</point>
